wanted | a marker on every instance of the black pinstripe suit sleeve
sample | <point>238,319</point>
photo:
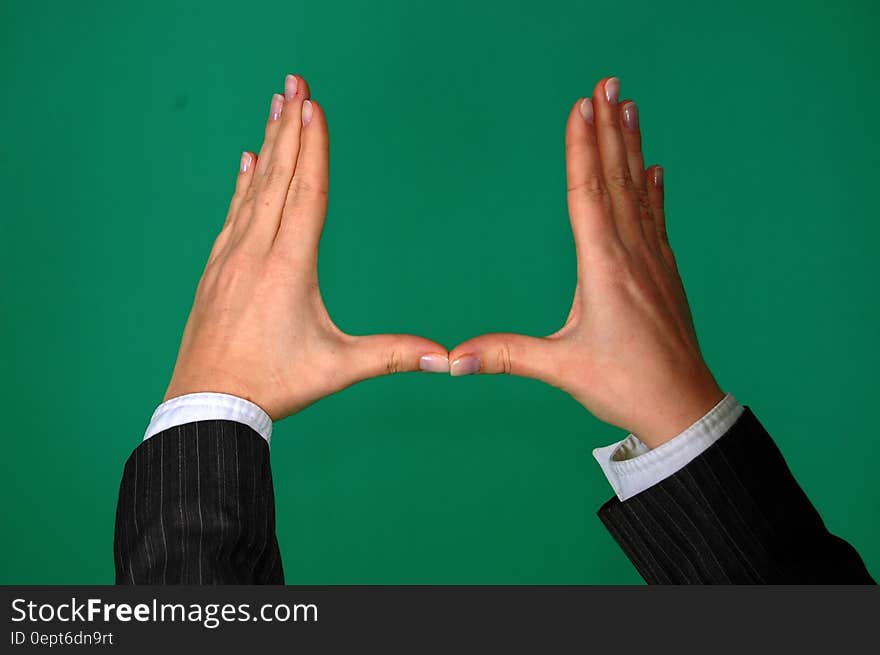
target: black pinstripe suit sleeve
<point>196,506</point>
<point>734,515</point>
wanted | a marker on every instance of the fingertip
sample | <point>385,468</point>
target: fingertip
<point>612,90</point>
<point>276,106</point>
<point>630,115</point>
<point>585,108</point>
<point>434,363</point>
<point>246,167</point>
<point>580,119</point>
<point>313,114</point>
<point>605,102</point>
<point>655,174</point>
<point>599,89</point>
<point>464,359</point>
<point>464,348</point>
<point>247,162</point>
<point>290,86</point>
<point>465,364</point>
<point>607,90</point>
<point>295,86</point>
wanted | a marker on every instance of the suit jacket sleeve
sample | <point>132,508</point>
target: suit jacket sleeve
<point>733,515</point>
<point>196,506</point>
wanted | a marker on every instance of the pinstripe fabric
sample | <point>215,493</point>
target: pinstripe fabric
<point>734,515</point>
<point>196,506</point>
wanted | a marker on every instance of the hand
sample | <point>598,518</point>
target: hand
<point>628,351</point>
<point>258,328</point>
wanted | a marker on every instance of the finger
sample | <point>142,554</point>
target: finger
<point>273,124</point>
<point>274,179</point>
<point>632,139</point>
<point>306,204</point>
<point>615,168</point>
<point>589,206</point>
<point>654,175</point>
<point>383,354</point>
<point>242,183</point>
<point>513,354</point>
<point>276,106</point>
<point>246,210</point>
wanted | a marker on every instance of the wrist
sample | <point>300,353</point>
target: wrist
<point>212,383</point>
<point>676,408</point>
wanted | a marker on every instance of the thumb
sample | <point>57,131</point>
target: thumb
<point>514,354</point>
<point>381,354</point>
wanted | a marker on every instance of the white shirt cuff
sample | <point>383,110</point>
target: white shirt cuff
<point>207,407</point>
<point>631,467</point>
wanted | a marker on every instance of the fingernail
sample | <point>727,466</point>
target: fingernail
<point>275,109</point>
<point>612,90</point>
<point>658,176</point>
<point>434,363</point>
<point>289,86</point>
<point>587,110</point>
<point>307,112</point>
<point>631,116</point>
<point>467,365</point>
<point>245,161</point>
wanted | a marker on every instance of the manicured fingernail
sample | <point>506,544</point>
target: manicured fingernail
<point>245,161</point>
<point>289,86</point>
<point>658,176</point>
<point>612,90</point>
<point>631,116</point>
<point>434,363</point>
<point>277,104</point>
<point>466,365</point>
<point>587,110</point>
<point>307,112</point>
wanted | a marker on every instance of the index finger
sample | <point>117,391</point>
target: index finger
<point>589,205</point>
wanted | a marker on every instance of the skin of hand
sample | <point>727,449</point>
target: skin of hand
<point>628,351</point>
<point>258,328</point>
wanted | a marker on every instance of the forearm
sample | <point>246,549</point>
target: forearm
<point>732,515</point>
<point>196,506</point>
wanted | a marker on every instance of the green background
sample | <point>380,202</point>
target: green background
<point>122,126</point>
